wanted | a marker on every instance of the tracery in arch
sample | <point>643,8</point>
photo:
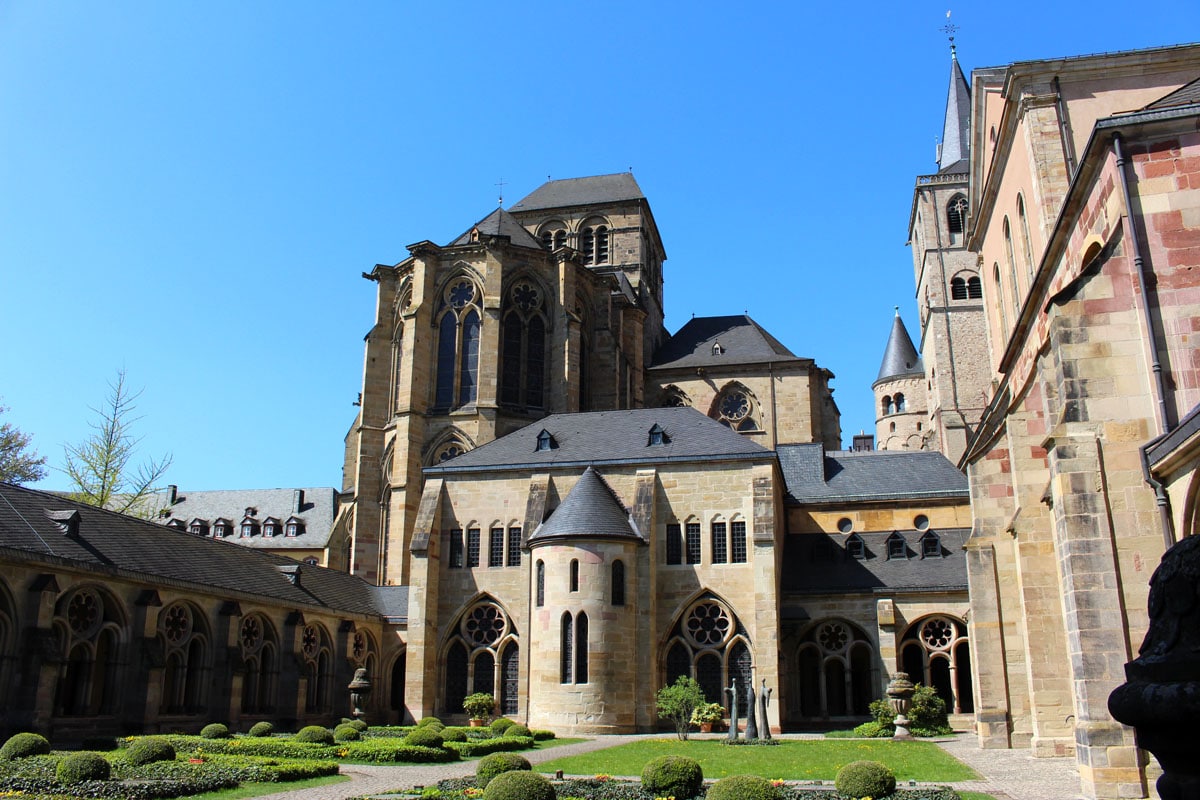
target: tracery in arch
<point>835,670</point>
<point>736,407</point>
<point>458,324</point>
<point>316,649</point>
<point>935,651</point>
<point>259,646</point>
<point>185,638</point>
<point>523,345</point>
<point>674,397</point>
<point>709,643</point>
<point>482,654</point>
<point>90,625</point>
<point>446,446</point>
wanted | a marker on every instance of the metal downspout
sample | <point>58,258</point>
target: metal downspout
<point>1139,267</point>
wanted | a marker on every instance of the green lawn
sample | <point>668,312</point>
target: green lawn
<point>791,760</point>
<point>258,789</point>
<point>549,743</point>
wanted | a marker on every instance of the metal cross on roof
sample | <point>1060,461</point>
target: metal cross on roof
<point>949,29</point>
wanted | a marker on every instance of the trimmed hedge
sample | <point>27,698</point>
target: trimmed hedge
<point>481,747</point>
<point>541,735</point>
<point>519,786</point>
<point>426,721</point>
<point>865,779</point>
<point>147,751</point>
<point>376,751</point>
<point>216,730</point>
<point>743,787</point>
<point>500,725</point>
<point>346,733</point>
<point>517,730</point>
<point>424,737</point>
<point>23,745</point>
<point>454,735</point>
<point>497,764</point>
<point>80,767</point>
<point>314,734</point>
<point>262,729</point>
<point>672,775</point>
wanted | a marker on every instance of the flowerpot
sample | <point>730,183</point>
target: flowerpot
<point>706,727</point>
<point>195,760</point>
<point>476,723</point>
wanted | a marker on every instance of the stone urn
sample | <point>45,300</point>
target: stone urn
<point>900,691</point>
<point>360,689</point>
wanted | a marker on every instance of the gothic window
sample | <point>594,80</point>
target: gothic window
<point>674,541</point>
<point>737,541</point>
<point>448,451</point>
<point>479,657</point>
<point>397,357</point>
<point>317,652</point>
<point>897,548</point>
<point>473,547</point>
<point>736,407</point>
<point>1026,244</point>
<point>674,397</point>
<point>496,547</point>
<point>458,346</point>
<point>898,399</point>
<point>90,630</point>
<point>510,671</point>
<point>456,676</point>
<point>692,541</point>
<point>186,670</point>
<point>958,289</point>
<point>956,215</point>
<point>720,544</point>
<point>523,350</point>
<point>566,642</point>
<point>709,644</point>
<point>456,548</point>
<point>1010,262</point>
<point>836,667</point>
<point>935,651</point>
<point>1000,300</point>
<point>259,649</point>
<point>514,546</point>
<point>618,583</point>
<point>541,583</point>
<point>581,648</point>
<point>574,575</point>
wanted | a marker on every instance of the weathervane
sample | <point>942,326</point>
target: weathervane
<point>500,200</point>
<point>950,29</point>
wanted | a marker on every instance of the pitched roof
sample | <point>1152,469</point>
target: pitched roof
<point>609,437</point>
<point>813,476</point>
<point>317,508</point>
<point>1183,96</point>
<point>818,563</point>
<point>590,511</point>
<point>500,223</point>
<point>581,192</point>
<point>742,341</point>
<point>954,152</point>
<point>143,550</point>
<point>899,357</point>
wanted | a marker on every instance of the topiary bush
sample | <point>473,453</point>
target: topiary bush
<point>672,775</point>
<point>427,736</point>
<point>79,767</point>
<point>519,786</point>
<point>865,779</point>
<point>497,764</point>
<point>23,745</point>
<point>314,734</point>
<point>216,730</point>
<point>454,735</point>
<point>147,751</point>
<point>346,733</point>
<point>873,730</point>
<point>262,729</point>
<point>743,787</point>
<point>426,721</point>
<point>517,730</point>
<point>500,725</point>
<point>358,725</point>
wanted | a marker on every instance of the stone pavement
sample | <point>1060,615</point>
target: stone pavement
<point>1007,774</point>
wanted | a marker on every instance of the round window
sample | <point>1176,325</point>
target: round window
<point>921,522</point>
<point>845,525</point>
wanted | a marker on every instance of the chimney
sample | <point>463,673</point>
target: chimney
<point>297,501</point>
<point>863,442</point>
<point>172,494</point>
<point>66,521</point>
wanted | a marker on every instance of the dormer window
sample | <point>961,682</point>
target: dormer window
<point>270,527</point>
<point>717,349</point>
<point>178,524</point>
<point>657,436</point>
<point>897,548</point>
<point>221,528</point>
<point>198,527</point>
<point>545,441</point>
<point>931,545</point>
<point>293,527</point>
<point>856,547</point>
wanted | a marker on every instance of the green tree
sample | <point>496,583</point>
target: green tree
<point>19,463</point>
<point>677,702</point>
<point>101,468</point>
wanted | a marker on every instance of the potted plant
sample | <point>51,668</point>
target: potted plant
<point>479,707</point>
<point>706,715</point>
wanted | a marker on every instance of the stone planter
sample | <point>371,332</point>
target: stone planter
<point>706,727</point>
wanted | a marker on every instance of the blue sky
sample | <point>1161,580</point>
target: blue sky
<point>191,190</point>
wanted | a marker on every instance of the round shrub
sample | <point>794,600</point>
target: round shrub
<point>314,734</point>
<point>743,787</point>
<point>672,775</point>
<point>519,786</point>
<point>215,730</point>
<point>79,767</point>
<point>500,725</point>
<point>454,735</point>
<point>358,725</point>
<point>147,751</point>
<point>262,729</point>
<point>22,745</point>
<point>424,737</point>
<point>865,779</point>
<point>426,721</point>
<point>497,764</point>
<point>517,730</point>
<point>346,733</point>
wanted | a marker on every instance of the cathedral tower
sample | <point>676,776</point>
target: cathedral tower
<point>953,339</point>
<point>900,399</point>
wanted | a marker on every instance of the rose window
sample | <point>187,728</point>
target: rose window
<point>735,406</point>
<point>708,624</point>
<point>85,612</point>
<point>251,634</point>
<point>448,452</point>
<point>309,641</point>
<point>359,647</point>
<point>484,625</point>
<point>177,624</point>
<point>937,633</point>
<point>460,294</point>
<point>525,297</point>
<point>833,636</point>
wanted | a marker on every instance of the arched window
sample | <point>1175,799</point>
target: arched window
<point>458,346</point>
<point>898,399</point>
<point>554,236</point>
<point>581,648</point>
<point>999,300</point>
<point>674,397</point>
<point>317,651</point>
<point>958,289</point>
<point>974,288</point>
<point>709,644</point>
<point>1026,244</point>
<point>566,643</point>
<point>259,647</point>
<point>574,575</point>
<point>837,671</point>
<point>736,407</point>
<point>90,627</point>
<point>541,583</point>
<point>1012,270</point>
<point>510,672</point>
<point>935,651</point>
<point>523,351</point>
<point>397,363</point>
<point>593,241</point>
<point>618,583</point>
<point>886,404</point>
<point>478,657</point>
<point>719,542</point>
<point>956,216</point>
<point>184,640</point>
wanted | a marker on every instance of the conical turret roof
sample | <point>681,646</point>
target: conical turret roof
<point>952,157</point>
<point>590,511</point>
<point>900,359</point>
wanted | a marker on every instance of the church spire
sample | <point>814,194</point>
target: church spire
<point>952,154</point>
<point>900,358</point>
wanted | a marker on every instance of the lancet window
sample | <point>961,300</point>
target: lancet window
<point>317,651</point>
<point>259,647</point>
<point>482,656</point>
<point>458,346</point>
<point>523,351</point>
<point>184,638</point>
<point>89,625</point>
<point>836,670</point>
<point>935,651</point>
<point>709,644</point>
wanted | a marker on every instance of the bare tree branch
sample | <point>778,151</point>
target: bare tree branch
<point>19,462</point>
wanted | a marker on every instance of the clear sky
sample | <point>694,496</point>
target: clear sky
<point>191,190</point>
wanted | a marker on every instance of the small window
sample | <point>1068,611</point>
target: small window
<point>717,349</point>
<point>674,541</point>
<point>737,542</point>
<point>496,547</point>
<point>897,548</point>
<point>618,583</point>
<point>720,545</point>
<point>312,561</point>
<point>856,547</point>
<point>220,530</point>
<point>581,648</point>
<point>247,530</point>
<point>845,525</point>
<point>657,436</point>
<point>198,527</point>
<point>566,641</point>
<point>541,583</point>
<point>574,575</point>
<point>958,289</point>
<point>270,529</point>
<point>887,404</point>
<point>692,536</point>
<point>545,441</point>
<point>899,401</point>
<point>956,214</point>
<point>892,428</point>
<point>514,547</point>
<point>456,548</point>
<point>975,288</point>
<point>292,529</point>
<point>921,522</point>
<point>931,545</point>
<point>473,547</point>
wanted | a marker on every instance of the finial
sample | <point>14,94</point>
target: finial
<point>950,29</point>
<point>897,310</point>
<point>500,200</point>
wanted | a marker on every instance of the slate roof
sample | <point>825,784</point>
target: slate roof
<point>581,192</point>
<point>817,563</point>
<point>318,508</point>
<point>500,223</point>
<point>742,339</point>
<point>1169,442</point>
<point>143,550</point>
<point>590,511</point>
<point>813,476</point>
<point>900,358</point>
<point>954,154</point>
<point>1183,96</point>
<point>609,437</point>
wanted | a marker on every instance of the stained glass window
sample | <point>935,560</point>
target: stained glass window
<point>510,668</point>
<point>566,643</point>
